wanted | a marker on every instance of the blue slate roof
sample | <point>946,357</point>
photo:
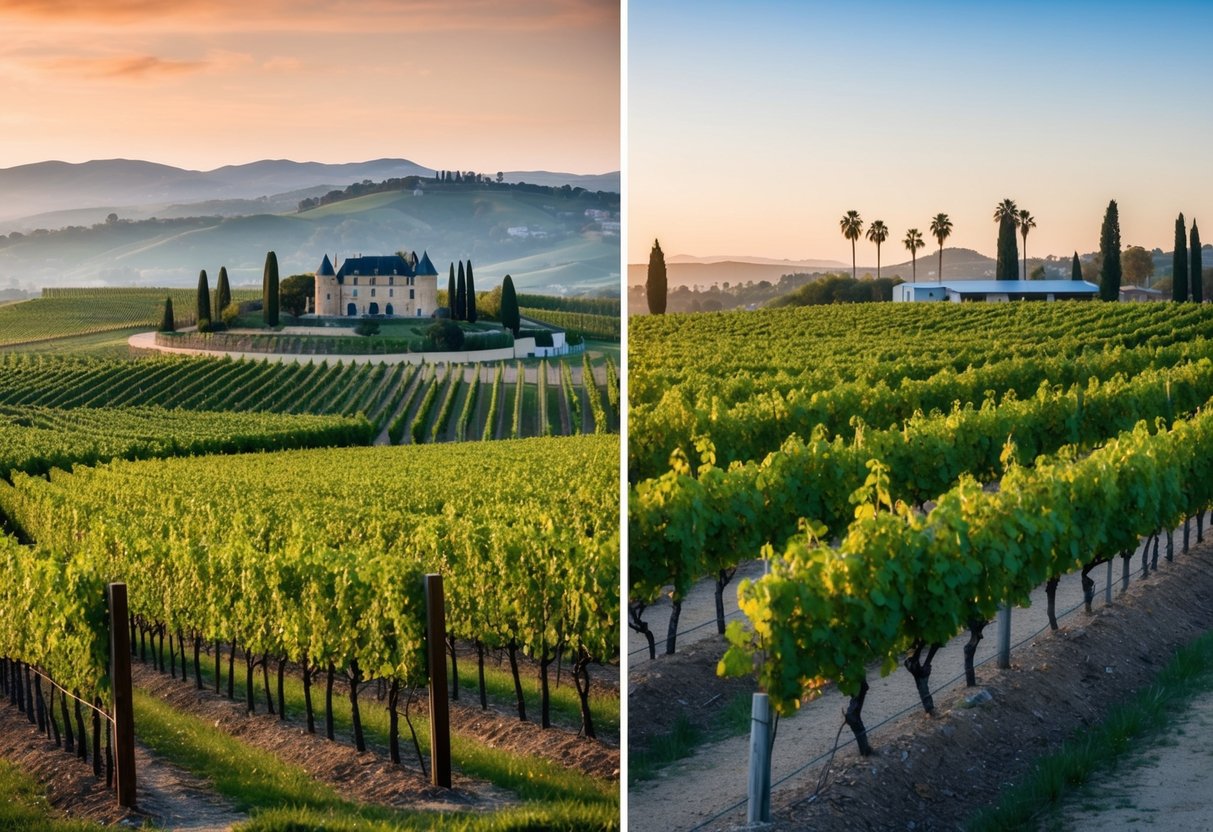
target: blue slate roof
<point>424,266</point>
<point>326,268</point>
<point>392,264</point>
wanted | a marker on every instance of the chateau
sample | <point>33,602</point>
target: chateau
<point>403,287</point>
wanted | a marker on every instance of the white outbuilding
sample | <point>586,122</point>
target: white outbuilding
<point>962,291</point>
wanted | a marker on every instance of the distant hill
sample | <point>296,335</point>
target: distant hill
<point>958,264</point>
<point>138,189</point>
<point>563,251</point>
<point>727,271</point>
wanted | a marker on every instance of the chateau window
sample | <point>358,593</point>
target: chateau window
<point>372,292</point>
<point>391,281</point>
<point>355,293</point>
<point>391,292</point>
<point>372,281</point>
<point>355,279</point>
<point>327,296</point>
<point>411,294</point>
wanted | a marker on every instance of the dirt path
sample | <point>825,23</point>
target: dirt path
<point>1168,785</point>
<point>367,777</point>
<point>565,420</point>
<point>176,799</point>
<point>166,795</point>
<point>714,778</point>
<point>408,382</point>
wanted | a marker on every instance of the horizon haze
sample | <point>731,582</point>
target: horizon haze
<point>757,127</point>
<point>200,84</point>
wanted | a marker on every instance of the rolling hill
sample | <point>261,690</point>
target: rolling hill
<point>563,251</point>
<point>958,263</point>
<point>135,189</point>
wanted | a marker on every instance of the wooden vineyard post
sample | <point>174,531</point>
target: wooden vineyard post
<point>759,808</point>
<point>440,717</point>
<point>122,704</point>
<point>1004,636</point>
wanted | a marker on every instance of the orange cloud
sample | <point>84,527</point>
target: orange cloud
<point>125,66</point>
<point>324,15</point>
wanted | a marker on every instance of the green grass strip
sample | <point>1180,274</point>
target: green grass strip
<point>1091,751</point>
<point>563,702</point>
<point>685,737</point>
<point>531,778</point>
<point>523,819</point>
<point>23,805</point>
<point>283,796</point>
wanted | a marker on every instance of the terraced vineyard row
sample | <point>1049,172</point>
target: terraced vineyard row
<point>385,394</point>
<point>900,583</point>
<point>808,455</point>
<point>36,439</point>
<point>223,550</point>
<point>748,409</point>
<point>808,349</point>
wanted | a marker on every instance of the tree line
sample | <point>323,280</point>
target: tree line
<point>270,300</point>
<point>445,180</point>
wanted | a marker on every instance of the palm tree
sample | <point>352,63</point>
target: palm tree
<point>852,227</point>
<point>914,242</point>
<point>941,229</point>
<point>877,234</point>
<point>1006,208</point>
<point>1026,223</point>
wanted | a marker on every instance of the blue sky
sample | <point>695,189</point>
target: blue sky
<point>753,127</point>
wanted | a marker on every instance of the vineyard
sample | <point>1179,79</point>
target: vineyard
<point>603,327</point>
<point>33,440</point>
<point>61,313</point>
<point>222,555</point>
<point>266,578</point>
<point>912,472</point>
<point>390,397</point>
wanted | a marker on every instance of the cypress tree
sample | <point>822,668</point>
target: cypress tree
<point>461,296</point>
<point>450,293</point>
<point>1109,251</point>
<point>166,323</point>
<point>1007,267</point>
<point>223,295</point>
<point>471,305</point>
<point>1196,273</point>
<point>1075,268</point>
<point>269,282</point>
<point>1179,262</point>
<point>204,301</point>
<point>509,306</point>
<point>655,286</point>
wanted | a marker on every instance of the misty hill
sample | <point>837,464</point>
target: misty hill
<point>706,274</point>
<point>139,189</point>
<point>958,263</point>
<point>561,249</point>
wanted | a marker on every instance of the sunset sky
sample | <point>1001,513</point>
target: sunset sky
<point>754,127</point>
<point>473,84</point>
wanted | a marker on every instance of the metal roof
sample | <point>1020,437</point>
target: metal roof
<point>1014,287</point>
